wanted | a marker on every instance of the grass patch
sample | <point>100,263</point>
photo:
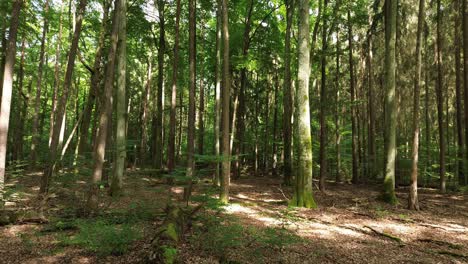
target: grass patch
<point>101,237</point>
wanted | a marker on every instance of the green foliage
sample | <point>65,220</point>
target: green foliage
<point>101,237</point>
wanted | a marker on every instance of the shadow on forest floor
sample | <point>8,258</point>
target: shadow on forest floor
<point>350,225</point>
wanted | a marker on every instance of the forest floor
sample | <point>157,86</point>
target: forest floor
<point>349,226</point>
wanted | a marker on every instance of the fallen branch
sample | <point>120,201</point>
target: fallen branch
<point>392,237</point>
<point>453,254</point>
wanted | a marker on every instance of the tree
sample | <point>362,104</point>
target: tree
<point>303,151</point>
<point>354,121</point>
<point>191,112</point>
<point>440,102</point>
<point>158,147</point>
<point>323,102</point>
<point>390,101</point>
<point>413,203</point>
<point>226,164</point>
<point>465,71</point>
<point>287,94</point>
<point>10,58</point>
<point>121,109</point>
<point>105,115</point>
<point>218,66</point>
<point>172,120</point>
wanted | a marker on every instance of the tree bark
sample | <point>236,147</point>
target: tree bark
<point>218,66</point>
<point>323,102</point>
<point>413,203</point>
<point>172,120</point>
<point>226,159</point>
<point>461,158</point>
<point>121,109</point>
<point>10,57</point>
<point>287,95</point>
<point>440,99</point>
<point>354,135</point>
<point>191,112</point>
<point>465,74</point>
<point>390,101</point>
<point>158,148</point>
<point>338,110</point>
<point>105,115</point>
<point>303,151</point>
<point>144,113</point>
<point>22,111</point>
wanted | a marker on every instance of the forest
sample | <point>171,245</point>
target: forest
<point>242,131</point>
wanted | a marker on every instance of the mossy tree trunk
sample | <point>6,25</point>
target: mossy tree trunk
<point>302,136</point>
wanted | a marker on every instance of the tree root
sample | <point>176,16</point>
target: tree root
<point>392,237</point>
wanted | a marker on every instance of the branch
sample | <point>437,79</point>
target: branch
<point>263,20</point>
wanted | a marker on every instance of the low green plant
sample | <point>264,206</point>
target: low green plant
<point>101,237</point>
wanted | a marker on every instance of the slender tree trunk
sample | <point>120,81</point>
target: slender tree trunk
<point>95,80</point>
<point>355,166</point>
<point>303,151</point>
<point>240,127</point>
<point>191,112</point>
<point>323,102</point>
<point>390,100</point>
<point>226,152</point>
<point>338,109</point>
<point>10,57</point>
<point>465,75</point>
<point>413,203</point>
<point>37,102</point>
<point>201,106</point>
<point>172,120</point>
<point>56,74</point>
<point>274,156</point>
<point>461,158</point>
<point>158,148</point>
<point>144,113</point>
<point>371,107</point>
<point>440,99</point>
<point>105,115</point>
<point>287,94</point>
<point>22,111</point>
<point>121,109</point>
<point>218,66</point>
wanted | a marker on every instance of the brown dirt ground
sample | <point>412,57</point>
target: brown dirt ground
<point>347,226</point>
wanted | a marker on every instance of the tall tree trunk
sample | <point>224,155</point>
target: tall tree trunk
<point>371,109</point>
<point>56,74</point>
<point>105,115</point>
<point>287,95</point>
<point>201,106</point>
<point>440,99</point>
<point>240,127</point>
<point>172,120</point>
<point>338,110</point>
<point>95,80</point>
<point>37,102</point>
<point>303,186</point>
<point>354,135</point>
<point>323,102</point>
<point>226,152</point>
<point>191,112</point>
<point>390,100</point>
<point>274,162</point>
<point>10,57</point>
<point>121,109</point>
<point>218,66</point>
<point>22,111</point>
<point>413,203</point>
<point>158,148</point>
<point>461,158</point>
<point>144,113</point>
<point>465,75</point>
